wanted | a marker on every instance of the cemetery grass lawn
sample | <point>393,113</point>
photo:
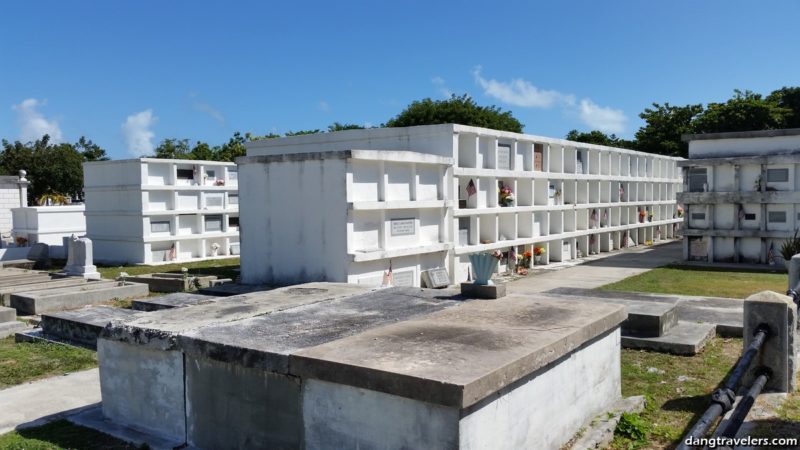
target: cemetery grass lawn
<point>683,280</point>
<point>673,405</point>
<point>23,362</point>
<point>223,268</point>
<point>61,434</point>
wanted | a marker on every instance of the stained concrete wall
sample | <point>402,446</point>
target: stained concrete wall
<point>741,145</point>
<point>294,222</point>
<point>151,398</point>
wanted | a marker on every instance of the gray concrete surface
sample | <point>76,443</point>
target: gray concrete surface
<point>11,328</point>
<point>36,403</point>
<point>173,282</point>
<point>169,301</point>
<point>6,291</point>
<point>7,314</point>
<point>686,338</point>
<point>459,356</point>
<point>83,326</point>
<point>599,432</point>
<point>229,289</point>
<point>598,272</point>
<point>72,297</point>
<point>779,314</point>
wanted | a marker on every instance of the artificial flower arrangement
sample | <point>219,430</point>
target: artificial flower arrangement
<point>650,216</point>
<point>539,251</point>
<point>524,259</point>
<point>642,214</point>
<point>219,183</point>
<point>21,241</point>
<point>680,211</point>
<point>505,196</point>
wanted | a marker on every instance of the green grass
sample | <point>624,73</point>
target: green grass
<point>672,405</point>
<point>23,362</point>
<point>61,434</point>
<point>704,282</point>
<point>223,268</point>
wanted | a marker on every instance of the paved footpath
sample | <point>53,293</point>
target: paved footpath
<point>52,398</point>
<point>41,401</point>
<point>600,270</point>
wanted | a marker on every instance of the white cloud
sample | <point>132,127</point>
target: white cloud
<point>137,133</point>
<point>519,92</point>
<point>32,124</point>
<point>603,118</point>
<point>441,87</point>
<point>323,106</point>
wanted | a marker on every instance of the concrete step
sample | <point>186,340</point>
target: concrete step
<point>645,318</point>
<point>728,320</point>
<point>686,338</point>
<point>10,328</point>
<point>6,291</point>
<point>74,297</point>
<point>83,326</point>
<point>169,301</point>
<point>7,314</point>
<point>24,279</point>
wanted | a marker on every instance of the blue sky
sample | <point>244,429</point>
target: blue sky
<point>128,74</point>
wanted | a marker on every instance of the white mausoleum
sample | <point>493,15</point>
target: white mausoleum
<point>347,206</point>
<point>161,210</point>
<point>742,195</point>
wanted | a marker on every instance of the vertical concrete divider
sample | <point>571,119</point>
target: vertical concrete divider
<point>779,314</point>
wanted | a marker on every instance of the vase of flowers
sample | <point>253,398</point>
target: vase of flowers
<point>642,215</point>
<point>484,265</point>
<point>538,254</point>
<point>650,216</point>
<point>680,211</point>
<point>214,249</point>
<point>505,196</point>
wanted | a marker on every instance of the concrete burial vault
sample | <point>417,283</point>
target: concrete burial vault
<point>325,365</point>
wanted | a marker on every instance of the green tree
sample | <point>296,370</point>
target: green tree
<point>90,151</point>
<point>173,149</point>
<point>202,151</point>
<point>336,126</point>
<point>52,168</point>
<point>789,98</point>
<point>663,129</point>
<point>745,111</point>
<point>600,138</point>
<point>461,110</point>
<point>302,132</point>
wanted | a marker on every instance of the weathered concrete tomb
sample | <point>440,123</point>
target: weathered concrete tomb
<point>325,365</point>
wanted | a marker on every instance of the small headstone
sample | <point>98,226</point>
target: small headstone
<point>40,254</point>
<point>436,278</point>
<point>80,258</point>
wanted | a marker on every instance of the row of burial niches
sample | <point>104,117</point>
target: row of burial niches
<point>167,200</point>
<point>723,178</point>
<point>558,250</point>
<point>491,228</point>
<point>493,192</point>
<point>784,217</point>
<point>486,152</point>
<point>187,174</point>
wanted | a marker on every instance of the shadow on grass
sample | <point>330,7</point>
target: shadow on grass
<point>64,434</point>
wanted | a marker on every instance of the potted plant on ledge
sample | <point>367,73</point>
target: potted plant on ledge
<point>789,248</point>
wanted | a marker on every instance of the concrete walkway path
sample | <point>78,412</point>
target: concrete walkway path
<point>42,401</point>
<point>599,270</point>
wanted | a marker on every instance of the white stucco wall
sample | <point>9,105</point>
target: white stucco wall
<point>294,222</point>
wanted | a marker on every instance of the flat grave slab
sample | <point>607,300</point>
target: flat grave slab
<point>325,365</point>
<point>267,341</point>
<point>83,326</point>
<point>173,300</point>
<point>73,297</point>
<point>229,289</point>
<point>6,291</point>
<point>173,282</point>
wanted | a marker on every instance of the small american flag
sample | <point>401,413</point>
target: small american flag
<point>471,190</point>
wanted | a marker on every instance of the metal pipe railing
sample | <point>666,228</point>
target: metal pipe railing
<point>744,406</point>
<point>723,398</point>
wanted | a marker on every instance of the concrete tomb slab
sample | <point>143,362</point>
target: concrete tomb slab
<point>685,338</point>
<point>6,291</point>
<point>174,300</point>
<point>335,366</point>
<point>83,326</point>
<point>173,282</point>
<point>230,289</point>
<point>8,322</point>
<point>72,297</point>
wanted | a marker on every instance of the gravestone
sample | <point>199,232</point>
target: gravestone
<point>40,254</point>
<point>80,259</point>
<point>436,278</point>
